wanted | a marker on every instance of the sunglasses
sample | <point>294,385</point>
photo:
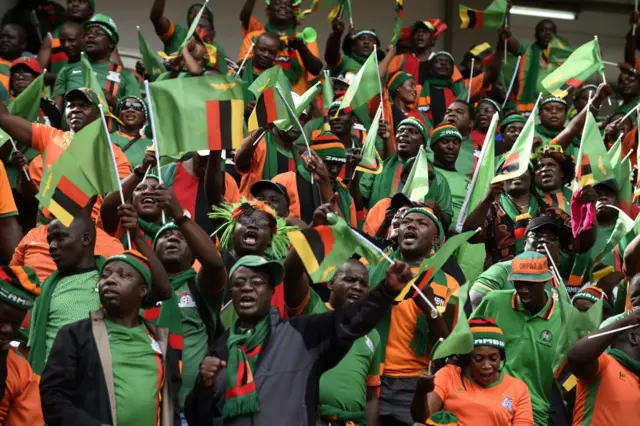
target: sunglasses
<point>136,105</point>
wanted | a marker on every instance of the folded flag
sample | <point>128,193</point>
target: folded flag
<point>558,50</point>
<point>417,186</point>
<point>364,87</point>
<point>270,107</point>
<point>623,227</point>
<point>397,26</point>
<point>300,107</point>
<point>193,26</point>
<point>150,59</point>
<point>592,165</point>
<point>518,158</point>
<point>26,105</point>
<point>492,17</point>
<point>578,67</point>
<point>193,114</point>
<point>83,170</point>
<point>371,161</point>
<point>460,341</point>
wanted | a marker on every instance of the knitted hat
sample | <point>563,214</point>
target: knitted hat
<point>29,62</point>
<point>550,99</point>
<point>530,266</point>
<point>581,89</point>
<point>371,33</point>
<point>435,25</point>
<point>442,53</point>
<point>19,286</point>
<point>486,332</point>
<point>442,418</point>
<point>87,93</point>
<point>136,260</point>
<point>444,130</point>
<point>412,121</point>
<point>274,268</point>
<point>592,294</point>
<point>493,104</point>
<point>166,227</point>
<point>200,4</point>
<point>431,215</point>
<point>396,81</point>
<point>106,24</point>
<point>329,147</point>
<point>482,51</point>
<point>510,119</point>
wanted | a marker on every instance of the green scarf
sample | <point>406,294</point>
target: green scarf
<point>149,230</point>
<point>244,349</point>
<point>420,341</point>
<point>546,133</point>
<point>626,361</point>
<point>532,59</point>
<point>343,416</point>
<point>40,315</point>
<point>359,59</point>
<point>276,154</point>
<point>520,220</point>
<point>387,183</point>
<point>249,75</point>
<point>293,69</point>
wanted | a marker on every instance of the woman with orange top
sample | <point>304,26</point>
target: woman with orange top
<point>476,391</point>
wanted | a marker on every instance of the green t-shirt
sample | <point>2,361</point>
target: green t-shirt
<point>466,158</point>
<point>136,360</point>
<point>494,278</point>
<point>344,387</point>
<point>70,77</point>
<point>347,64</point>
<point>135,152</point>
<point>458,185</point>
<point>72,300</point>
<point>531,342</point>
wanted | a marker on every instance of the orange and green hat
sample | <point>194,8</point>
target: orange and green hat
<point>412,121</point>
<point>486,332</point>
<point>428,212</point>
<point>137,261</point>
<point>442,418</point>
<point>397,80</point>
<point>592,294</point>
<point>530,266</point>
<point>444,131</point>
<point>329,147</point>
<point>19,286</point>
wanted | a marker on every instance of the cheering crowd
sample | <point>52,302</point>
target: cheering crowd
<point>365,236</point>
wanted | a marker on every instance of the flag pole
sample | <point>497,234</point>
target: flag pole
<point>473,61</point>
<point>630,112</point>
<point>627,156</point>
<point>15,149</point>
<point>476,172</point>
<point>375,53</point>
<point>506,24</point>
<point>604,77</point>
<point>155,140</point>
<point>246,56</point>
<point>513,80</point>
<point>633,32</point>
<point>115,164</point>
<point>628,327</point>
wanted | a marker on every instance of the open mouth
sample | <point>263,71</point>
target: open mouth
<point>250,237</point>
<point>109,293</point>
<point>410,236</point>
<point>247,301</point>
<point>352,297</point>
<point>148,201</point>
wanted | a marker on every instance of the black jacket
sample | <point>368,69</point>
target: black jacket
<point>74,389</point>
<point>290,364</point>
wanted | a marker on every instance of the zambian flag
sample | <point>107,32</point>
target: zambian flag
<point>192,114</point>
<point>270,107</point>
<point>579,66</point>
<point>592,161</point>
<point>371,161</point>
<point>492,17</point>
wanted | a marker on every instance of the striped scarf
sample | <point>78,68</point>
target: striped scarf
<point>519,220</point>
<point>528,77</point>
<point>244,349</point>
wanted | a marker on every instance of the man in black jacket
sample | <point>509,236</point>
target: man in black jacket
<point>115,368</point>
<point>264,371</point>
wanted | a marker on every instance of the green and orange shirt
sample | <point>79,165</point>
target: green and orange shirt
<point>531,341</point>
<point>609,398</point>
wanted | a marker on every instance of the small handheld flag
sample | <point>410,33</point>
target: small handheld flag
<point>492,17</point>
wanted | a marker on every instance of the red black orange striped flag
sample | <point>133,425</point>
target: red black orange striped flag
<point>491,17</point>
<point>224,124</point>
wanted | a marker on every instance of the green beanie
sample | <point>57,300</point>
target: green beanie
<point>513,118</point>
<point>550,99</point>
<point>106,24</point>
<point>444,131</point>
<point>412,121</point>
<point>166,227</point>
<point>431,215</point>
<point>493,104</point>
<point>136,260</point>
<point>397,80</point>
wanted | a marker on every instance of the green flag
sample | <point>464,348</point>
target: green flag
<point>83,170</point>
<point>90,81</point>
<point>483,174</point>
<point>270,105</point>
<point>460,341</point>
<point>492,17</point>
<point>193,27</point>
<point>579,66</point>
<point>417,186</point>
<point>365,85</point>
<point>371,161</point>
<point>397,25</point>
<point>327,93</point>
<point>558,50</point>
<point>592,165</point>
<point>622,173</point>
<point>150,59</point>
<point>192,114</point>
<point>624,225</point>
<point>517,161</point>
<point>614,155</point>
<point>301,106</point>
<point>26,105</point>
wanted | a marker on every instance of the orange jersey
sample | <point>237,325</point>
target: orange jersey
<point>506,403</point>
<point>375,216</point>
<point>7,203</point>
<point>609,398</point>
<point>21,404</point>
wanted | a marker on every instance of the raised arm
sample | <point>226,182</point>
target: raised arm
<point>309,60</point>
<point>44,57</point>
<point>332,49</point>
<point>246,12</point>
<point>17,127</point>
<point>583,356</point>
<point>631,41</point>
<point>160,22</point>
<point>248,148</point>
<point>425,401</point>
<point>492,70</point>
<point>478,216</point>
<point>632,258</point>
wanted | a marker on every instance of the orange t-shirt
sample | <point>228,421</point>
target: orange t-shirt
<point>609,398</point>
<point>4,78</point>
<point>7,203</point>
<point>375,217</point>
<point>33,250</point>
<point>21,404</point>
<point>255,171</point>
<point>505,404</point>
<point>42,136</point>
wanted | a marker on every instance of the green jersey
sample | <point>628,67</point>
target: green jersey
<point>134,151</point>
<point>458,185</point>
<point>466,158</point>
<point>70,77</point>
<point>531,342</point>
<point>138,375</point>
<point>343,389</point>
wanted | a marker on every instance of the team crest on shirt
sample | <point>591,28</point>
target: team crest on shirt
<point>113,76</point>
<point>546,336</point>
<point>185,300</point>
<point>369,343</point>
<point>507,403</point>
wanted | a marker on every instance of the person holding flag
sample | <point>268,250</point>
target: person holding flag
<point>510,129</point>
<point>476,389</point>
<point>554,171</point>
<point>361,44</point>
<point>628,88</point>
<point>461,115</point>
<point>130,137</point>
<point>484,111</point>
<point>529,310</point>
<point>264,56</point>
<point>581,98</point>
<point>553,116</point>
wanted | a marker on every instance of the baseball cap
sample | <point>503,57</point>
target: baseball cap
<point>274,268</point>
<point>88,94</point>
<point>609,183</point>
<point>267,184</point>
<point>540,222</point>
<point>29,62</point>
<point>399,201</point>
<point>530,266</point>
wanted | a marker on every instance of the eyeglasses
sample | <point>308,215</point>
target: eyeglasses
<point>136,105</point>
